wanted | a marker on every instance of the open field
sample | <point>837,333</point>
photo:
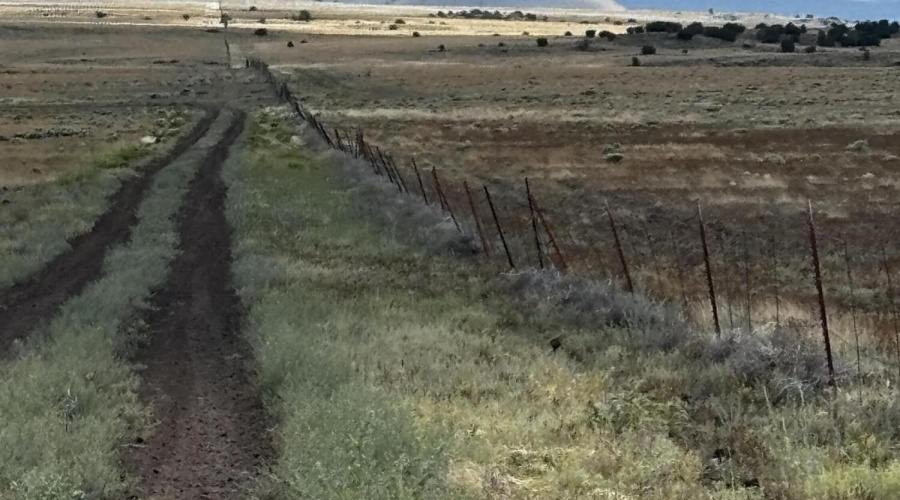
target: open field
<point>199,298</point>
<point>749,133</point>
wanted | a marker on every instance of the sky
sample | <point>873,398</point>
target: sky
<point>845,9</point>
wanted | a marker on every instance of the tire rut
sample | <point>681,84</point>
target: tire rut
<point>211,440</point>
<point>26,305</point>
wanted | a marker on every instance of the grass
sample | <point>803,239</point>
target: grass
<point>39,219</point>
<point>120,156</point>
<point>395,371</point>
<point>68,401</point>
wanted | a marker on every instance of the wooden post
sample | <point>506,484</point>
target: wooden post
<point>629,285</point>
<point>534,225</point>
<point>823,313</point>
<point>487,193</point>
<point>709,273</point>
<point>484,242</point>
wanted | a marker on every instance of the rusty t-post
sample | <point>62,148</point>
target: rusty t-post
<point>421,184</point>
<point>484,242</point>
<point>499,229</point>
<point>676,257</point>
<point>893,307</point>
<point>444,201</point>
<point>709,274</point>
<point>775,279</point>
<point>534,225</point>
<point>399,175</point>
<point>850,284</point>
<point>563,265</point>
<point>820,290</point>
<point>629,285</point>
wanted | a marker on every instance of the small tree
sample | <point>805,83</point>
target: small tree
<point>399,21</point>
<point>635,61</point>
<point>648,50</point>
<point>788,45</point>
<point>416,34</point>
<point>608,35</point>
<point>185,16</point>
<point>810,49</point>
<point>567,33</point>
<point>304,15</point>
<point>100,14</point>
<point>252,8</point>
<point>542,42</point>
<point>867,54</point>
<point>590,33</point>
<point>261,32</point>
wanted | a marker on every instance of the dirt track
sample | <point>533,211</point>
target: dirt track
<point>211,439</point>
<point>26,305</point>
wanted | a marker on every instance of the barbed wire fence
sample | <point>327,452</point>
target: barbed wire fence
<point>732,280</point>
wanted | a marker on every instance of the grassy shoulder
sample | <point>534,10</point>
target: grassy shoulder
<point>38,220</point>
<point>68,401</point>
<point>395,372</point>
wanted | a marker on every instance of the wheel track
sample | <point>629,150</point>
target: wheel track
<point>211,439</point>
<point>26,305</point>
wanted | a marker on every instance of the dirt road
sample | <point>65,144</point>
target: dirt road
<point>26,305</point>
<point>212,434</point>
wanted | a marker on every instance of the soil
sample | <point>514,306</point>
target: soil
<point>28,304</point>
<point>211,439</point>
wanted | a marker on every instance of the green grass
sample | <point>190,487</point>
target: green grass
<point>120,156</point>
<point>39,219</point>
<point>68,401</point>
<point>396,372</point>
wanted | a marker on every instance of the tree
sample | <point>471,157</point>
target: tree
<point>788,44</point>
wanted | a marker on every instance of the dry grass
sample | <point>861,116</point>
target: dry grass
<point>455,367</point>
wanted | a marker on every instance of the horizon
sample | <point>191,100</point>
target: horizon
<point>858,10</point>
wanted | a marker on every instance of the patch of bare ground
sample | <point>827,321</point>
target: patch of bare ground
<point>211,439</point>
<point>26,305</point>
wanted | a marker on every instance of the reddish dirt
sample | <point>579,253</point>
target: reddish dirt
<point>211,439</point>
<point>26,305</point>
